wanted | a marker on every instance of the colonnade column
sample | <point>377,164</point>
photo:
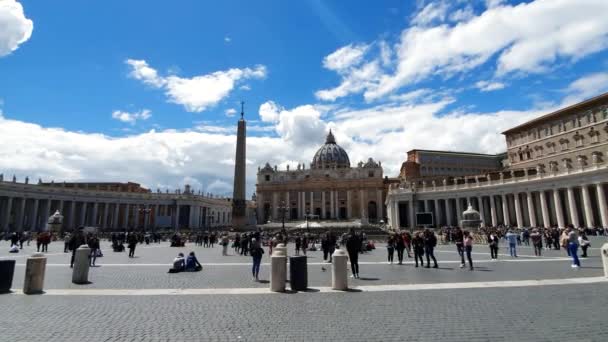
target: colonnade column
<point>332,205</point>
<point>115,216</point>
<point>95,208</point>
<point>176,222</point>
<point>448,211</point>
<point>482,214</point>
<point>380,205</point>
<point>559,214</point>
<point>437,213</point>
<point>19,225</point>
<point>493,216</point>
<point>505,211</point>
<point>601,200</point>
<point>126,221</point>
<point>287,206</point>
<point>361,205</point>
<point>572,207</point>
<point>7,214</point>
<point>458,211</point>
<point>311,207</point>
<point>395,214</point>
<point>106,212</point>
<point>34,219</point>
<point>412,215</point>
<point>275,204</point>
<point>544,209</point>
<point>587,206</point>
<point>70,217</point>
<point>531,212</point>
<point>336,205</point>
<point>518,217</point>
<point>323,205</point>
<point>83,214</point>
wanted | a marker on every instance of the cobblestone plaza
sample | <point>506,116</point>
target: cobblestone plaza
<point>135,299</point>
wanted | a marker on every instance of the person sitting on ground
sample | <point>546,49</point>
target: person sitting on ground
<point>192,264</point>
<point>179,264</point>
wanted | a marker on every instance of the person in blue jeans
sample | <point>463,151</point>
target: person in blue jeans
<point>573,247</point>
<point>512,239</point>
<point>256,252</point>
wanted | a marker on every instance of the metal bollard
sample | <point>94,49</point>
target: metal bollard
<point>35,268</point>
<point>278,271</point>
<point>80,273</point>
<point>339,270</point>
<point>605,258</point>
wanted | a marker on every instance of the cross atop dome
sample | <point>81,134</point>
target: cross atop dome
<point>330,138</point>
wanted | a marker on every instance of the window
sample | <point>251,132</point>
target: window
<point>267,178</point>
<point>370,174</point>
<point>605,113</point>
<point>564,144</point>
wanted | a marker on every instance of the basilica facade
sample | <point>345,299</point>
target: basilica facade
<point>330,189</point>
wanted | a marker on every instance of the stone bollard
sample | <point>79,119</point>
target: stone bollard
<point>80,273</point>
<point>604,253</point>
<point>278,271</point>
<point>35,268</point>
<point>7,270</point>
<point>339,270</point>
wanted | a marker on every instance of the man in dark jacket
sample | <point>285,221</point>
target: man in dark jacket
<point>76,241</point>
<point>430,241</point>
<point>353,246</point>
<point>459,240</point>
<point>132,242</point>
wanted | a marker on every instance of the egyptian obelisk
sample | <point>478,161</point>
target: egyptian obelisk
<point>239,206</point>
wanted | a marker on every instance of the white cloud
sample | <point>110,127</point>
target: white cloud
<point>245,87</point>
<point>586,87</point>
<point>15,28</point>
<point>230,112</point>
<point>355,81</point>
<point>345,57</point>
<point>434,11</point>
<point>198,93</point>
<point>131,118</point>
<point>269,111</point>
<point>530,37</point>
<point>486,86</point>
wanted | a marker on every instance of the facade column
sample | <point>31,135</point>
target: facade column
<point>518,216</point>
<point>7,214</point>
<point>190,216</point>
<point>136,213</point>
<point>146,216</point>
<point>531,212</point>
<point>115,216</point>
<point>34,219</point>
<point>361,205</point>
<point>572,206</point>
<point>323,205</point>
<point>349,209</point>
<point>587,207</point>
<point>70,217</point>
<point>311,207</point>
<point>437,214</point>
<point>396,224</point>
<point>275,206</point>
<point>176,221</point>
<point>337,205</point>
<point>482,214</point>
<point>493,216</point>
<point>601,200</point>
<point>544,209</point>
<point>332,205</point>
<point>287,206</point>
<point>156,215</point>
<point>505,211</point>
<point>448,212</point>
<point>559,213</point>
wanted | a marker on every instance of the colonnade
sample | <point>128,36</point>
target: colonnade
<point>582,205</point>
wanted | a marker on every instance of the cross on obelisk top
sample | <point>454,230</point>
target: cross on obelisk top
<point>242,109</point>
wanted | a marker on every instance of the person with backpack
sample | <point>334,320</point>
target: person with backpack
<point>430,241</point>
<point>131,243</point>
<point>93,243</point>
<point>256,252</point>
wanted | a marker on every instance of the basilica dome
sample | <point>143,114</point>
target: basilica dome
<point>330,155</point>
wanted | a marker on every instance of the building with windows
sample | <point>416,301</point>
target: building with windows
<point>555,174</point>
<point>429,165</point>
<point>330,189</point>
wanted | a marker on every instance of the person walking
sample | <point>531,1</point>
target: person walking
<point>458,238</point>
<point>418,246</point>
<point>353,247</point>
<point>583,241</point>
<point>407,239</point>
<point>390,248</point>
<point>430,241</point>
<point>131,243</point>
<point>512,239</point>
<point>76,241</point>
<point>573,247</point>
<point>93,243</point>
<point>256,252</point>
<point>493,243</point>
<point>537,242</point>
<point>468,247</point>
<point>400,246</point>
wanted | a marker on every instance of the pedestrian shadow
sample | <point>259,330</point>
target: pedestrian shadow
<point>368,279</point>
<point>261,281</point>
<point>353,290</point>
<point>593,267</point>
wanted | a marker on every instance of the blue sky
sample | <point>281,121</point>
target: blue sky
<point>142,90</point>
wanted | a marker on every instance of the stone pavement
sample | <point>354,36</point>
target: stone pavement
<point>535,313</point>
